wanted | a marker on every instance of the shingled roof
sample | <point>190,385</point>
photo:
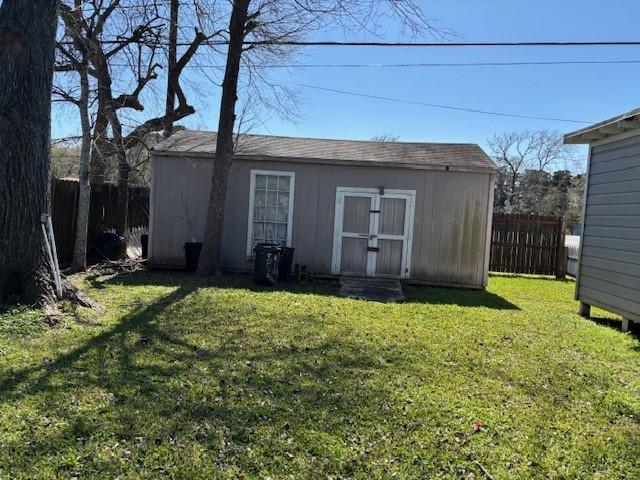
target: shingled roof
<point>454,156</point>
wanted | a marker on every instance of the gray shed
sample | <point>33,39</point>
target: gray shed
<point>609,260</point>
<point>416,211</point>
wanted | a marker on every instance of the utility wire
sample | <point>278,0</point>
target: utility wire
<point>319,43</point>
<point>448,44</point>
<point>429,65</point>
<point>418,65</point>
<point>435,105</point>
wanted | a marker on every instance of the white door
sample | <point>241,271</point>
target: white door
<point>373,232</point>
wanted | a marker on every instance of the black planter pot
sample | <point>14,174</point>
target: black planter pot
<point>191,255</point>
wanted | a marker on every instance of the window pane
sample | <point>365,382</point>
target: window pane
<point>281,233</point>
<point>281,215</point>
<point>272,198</point>
<point>261,181</point>
<point>272,182</point>
<point>258,230</point>
<point>283,199</point>
<point>260,197</point>
<point>269,231</point>
<point>271,213</point>
<point>283,183</point>
<point>258,214</point>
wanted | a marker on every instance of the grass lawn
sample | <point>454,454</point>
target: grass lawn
<point>188,379</point>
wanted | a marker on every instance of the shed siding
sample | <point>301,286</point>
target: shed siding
<point>610,258</point>
<point>450,226</point>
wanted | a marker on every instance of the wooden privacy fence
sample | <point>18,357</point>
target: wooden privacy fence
<point>528,244</point>
<point>102,212</point>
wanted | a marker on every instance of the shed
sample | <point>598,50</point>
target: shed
<point>414,211</point>
<point>609,259</point>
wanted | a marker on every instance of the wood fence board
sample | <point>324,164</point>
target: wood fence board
<point>102,212</point>
<point>529,244</point>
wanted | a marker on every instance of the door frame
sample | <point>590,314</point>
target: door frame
<point>376,196</point>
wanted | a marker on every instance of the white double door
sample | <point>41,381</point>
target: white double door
<point>373,230</point>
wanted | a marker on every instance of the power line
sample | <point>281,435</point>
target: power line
<point>435,105</point>
<point>434,65</point>
<point>321,43</point>
<point>316,43</point>
<point>419,65</point>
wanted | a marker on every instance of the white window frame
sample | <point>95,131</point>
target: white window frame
<point>252,194</point>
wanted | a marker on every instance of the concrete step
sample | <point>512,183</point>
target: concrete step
<point>375,289</point>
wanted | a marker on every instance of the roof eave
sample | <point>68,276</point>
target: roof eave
<point>363,163</point>
<point>612,127</point>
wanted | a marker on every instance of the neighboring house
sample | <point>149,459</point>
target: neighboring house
<point>415,211</point>
<point>609,259</point>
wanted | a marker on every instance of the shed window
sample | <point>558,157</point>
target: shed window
<point>270,208</point>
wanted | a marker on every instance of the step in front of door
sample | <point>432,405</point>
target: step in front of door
<point>374,289</point>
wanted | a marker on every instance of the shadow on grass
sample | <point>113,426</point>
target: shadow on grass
<point>189,373</point>
<point>140,321</point>
<point>616,324</point>
<point>225,281</point>
<point>547,278</point>
<point>459,297</point>
<point>414,294</point>
<point>159,385</point>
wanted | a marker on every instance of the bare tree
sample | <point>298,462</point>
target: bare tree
<point>257,26</point>
<point>518,152</point>
<point>27,45</point>
<point>134,49</point>
<point>512,152</point>
<point>74,58</point>
<point>550,151</point>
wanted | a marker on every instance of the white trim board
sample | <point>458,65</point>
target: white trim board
<point>374,194</point>
<point>252,194</point>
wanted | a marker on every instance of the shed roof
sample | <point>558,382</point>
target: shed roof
<point>454,156</point>
<point>608,128</point>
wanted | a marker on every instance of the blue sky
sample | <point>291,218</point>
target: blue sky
<point>581,92</point>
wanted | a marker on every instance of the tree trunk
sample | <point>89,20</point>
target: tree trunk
<point>512,194</point>
<point>122,205</point>
<point>79,262</point>
<point>27,44</point>
<point>172,60</point>
<point>98,160</point>
<point>209,262</point>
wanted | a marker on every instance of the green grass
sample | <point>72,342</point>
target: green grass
<point>188,379</point>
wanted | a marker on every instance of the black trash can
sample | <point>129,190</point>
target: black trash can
<point>286,263</point>
<point>191,255</point>
<point>266,263</point>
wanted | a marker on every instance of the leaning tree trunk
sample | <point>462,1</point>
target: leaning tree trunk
<point>209,262</point>
<point>27,44</point>
<point>79,262</point>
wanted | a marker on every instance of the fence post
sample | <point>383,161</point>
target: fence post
<point>561,261</point>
